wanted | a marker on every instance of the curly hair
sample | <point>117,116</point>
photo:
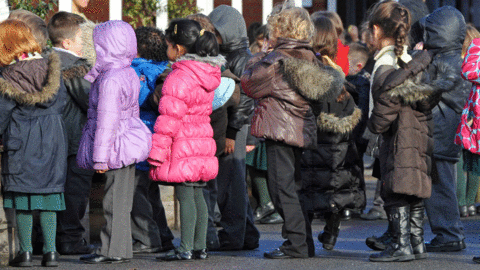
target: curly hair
<point>151,44</point>
<point>291,22</point>
<point>394,19</point>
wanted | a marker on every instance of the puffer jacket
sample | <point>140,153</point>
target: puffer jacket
<point>75,113</point>
<point>468,131</point>
<point>114,136</point>
<point>332,177</point>
<point>403,100</point>
<point>32,101</point>
<point>231,26</point>
<point>445,31</point>
<point>283,82</point>
<point>183,145</point>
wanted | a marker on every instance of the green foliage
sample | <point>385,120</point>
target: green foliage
<point>181,8</point>
<point>42,9</point>
<point>141,12</point>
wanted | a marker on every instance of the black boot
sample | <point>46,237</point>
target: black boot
<point>399,249</point>
<point>380,243</point>
<point>417,215</point>
<point>330,232</point>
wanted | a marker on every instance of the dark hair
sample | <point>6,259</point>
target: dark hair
<point>189,34</point>
<point>63,25</point>
<point>203,20</point>
<point>325,40</point>
<point>252,31</point>
<point>334,18</point>
<point>261,32</point>
<point>394,19</point>
<point>358,52</point>
<point>151,44</point>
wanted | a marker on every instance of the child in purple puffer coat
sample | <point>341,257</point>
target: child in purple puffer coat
<point>114,138</point>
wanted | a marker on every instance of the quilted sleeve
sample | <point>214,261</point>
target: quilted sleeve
<point>108,120</point>
<point>172,109</point>
<point>471,62</point>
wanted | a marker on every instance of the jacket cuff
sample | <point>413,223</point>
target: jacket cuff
<point>231,133</point>
<point>100,166</point>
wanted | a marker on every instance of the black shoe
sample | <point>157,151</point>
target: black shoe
<point>463,211</point>
<point>373,215</point>
<point>138,247</point>
<point>23,259</point>
<point>476,259</point>
<point>331,230</point>
<point>276,254</point>
<point>436,246</point>
<point>263,211</point>
<point>50,259</point>
<point>167,246</point>
<point>100,259</point>
<point>75,248</point>
<point>346,214</point>
<point>472,211</point>
<point>250,246</point>
<point>200,254</point>
<point>274,218</point>
<point>379,243</point>
<point>399,249</point>
<point>175,255</point>
<point>417,216</point>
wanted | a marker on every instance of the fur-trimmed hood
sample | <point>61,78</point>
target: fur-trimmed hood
<point>412,84</point>
<point>329,122</point>
<point>26,83</point>
<point>212,60</point>
<point>312,81</point>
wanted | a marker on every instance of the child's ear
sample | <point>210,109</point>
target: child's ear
<point>180,49</point>
<point>66,44</point>
<point>360,66</point>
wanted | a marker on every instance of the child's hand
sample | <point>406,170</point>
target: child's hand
<point>229,146</point>
<point>102,171</point>
<point>250,148</point>
<point>418,46</point>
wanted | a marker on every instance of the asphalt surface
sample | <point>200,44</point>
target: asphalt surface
<point>350,252</point>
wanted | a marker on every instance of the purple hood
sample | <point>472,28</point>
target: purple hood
<point>116,46</point>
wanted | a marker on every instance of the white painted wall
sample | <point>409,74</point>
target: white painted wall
<point>115,10</point>
<point>238,4</point>
<point>4,10</point>
<point>205,6</point>
<point>65,5</point>
<point>162,15</point>
<point>267,6</point>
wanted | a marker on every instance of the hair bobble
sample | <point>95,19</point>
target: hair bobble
<point>201,32</point>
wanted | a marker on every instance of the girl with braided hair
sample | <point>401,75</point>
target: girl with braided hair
<point>402,115</point>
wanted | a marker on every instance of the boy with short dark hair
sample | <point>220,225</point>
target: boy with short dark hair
<point>65,33</point>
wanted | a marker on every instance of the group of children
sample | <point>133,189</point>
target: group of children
<point>134,118</point>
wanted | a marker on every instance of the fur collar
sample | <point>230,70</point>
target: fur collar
<point>48,91</point>
<point>79,70</point>
<point>328,122</point>
<point>312,81</point>
<point>212,60</point>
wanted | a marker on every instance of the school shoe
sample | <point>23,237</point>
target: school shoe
<point>50,259</point>
<point>463,211</point>
<point>75,248</point>
<point>200,254</point>
<point>476,259</point>
<point>373,214</point>
<point>400,248</point>
<point>263,211</point>
<point>417,216</point>
<point>472,211</point>
<point>381,242</point>
<point>436,246</point>
<point>274,218</point>
<point>330,232</point>
<point>175,255</point>
<point>23,259</point>
<point>100,259</point>
<point>277,254</point>
<point>138,247</point>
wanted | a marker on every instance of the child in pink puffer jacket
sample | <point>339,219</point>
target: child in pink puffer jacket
<point>183,151</point>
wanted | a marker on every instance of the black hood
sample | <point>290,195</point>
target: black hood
<point>444,30</point>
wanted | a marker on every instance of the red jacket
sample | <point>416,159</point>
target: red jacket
<point>342,57</point>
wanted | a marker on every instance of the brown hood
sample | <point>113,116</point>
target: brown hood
<point>32,82</point>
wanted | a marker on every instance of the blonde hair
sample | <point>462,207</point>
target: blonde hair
<point>472,33</point>
<point>294,23</point>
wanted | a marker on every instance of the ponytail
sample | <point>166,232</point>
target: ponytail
<point>206,44</point>
<point>189,34</point>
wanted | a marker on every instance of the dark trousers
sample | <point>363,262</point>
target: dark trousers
<point>116,235</point>
<point>442,206</point>
<point>237,215</point>
<point>149,223</point>
<point>210,195</point>
<point>74,221</point>
<point>283,184</point>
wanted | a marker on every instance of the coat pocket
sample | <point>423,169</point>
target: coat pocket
<point>12,156</point>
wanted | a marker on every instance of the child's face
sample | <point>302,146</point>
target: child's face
<point>74,45</point>
<point>81,3</point>
<point>175,51</point>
